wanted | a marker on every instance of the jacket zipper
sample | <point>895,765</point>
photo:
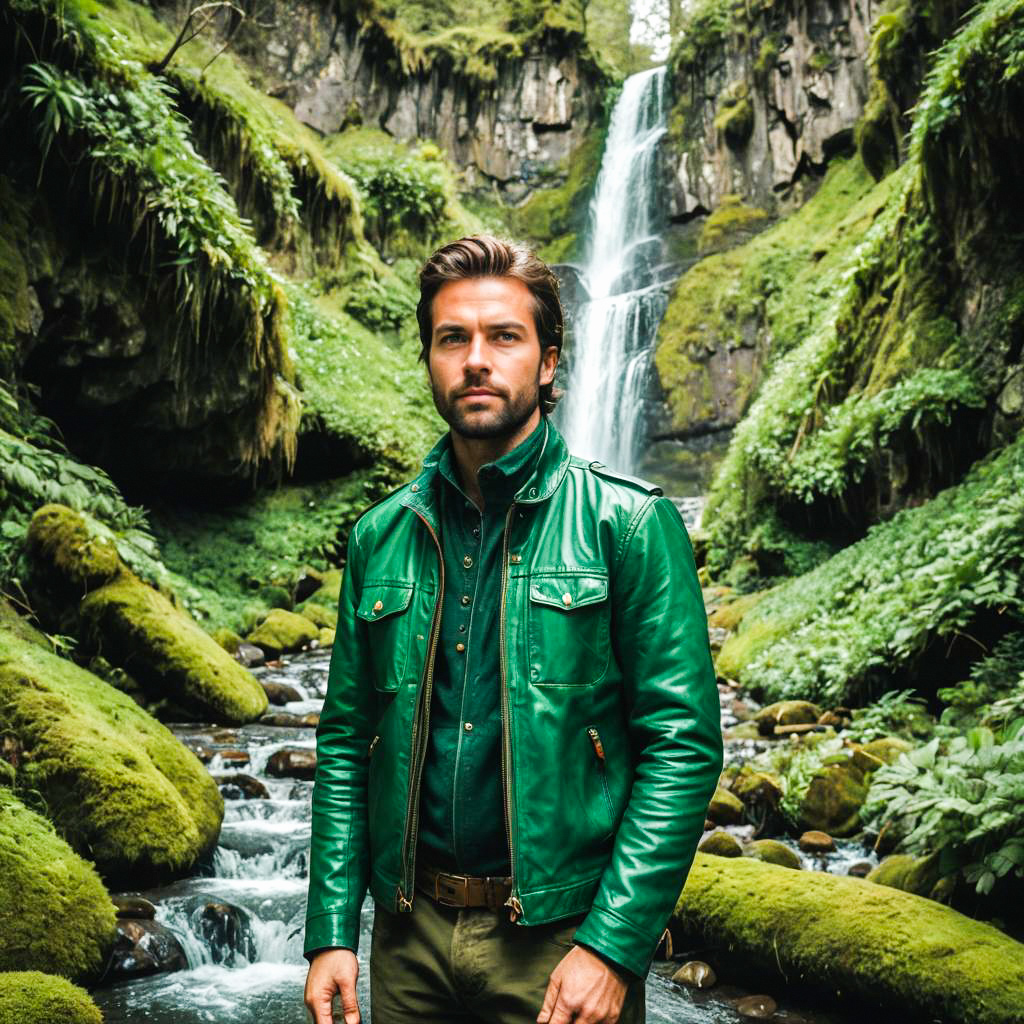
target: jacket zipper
<point>595,738</point>
<point>373,743</point>
<point>419,746</point>
<point>506,748</point>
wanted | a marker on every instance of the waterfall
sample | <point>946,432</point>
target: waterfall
<point>601,413</point>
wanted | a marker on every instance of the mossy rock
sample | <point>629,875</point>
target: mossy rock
<point>283,631</point>
<point>31,997</point>
<point>887,748</point>
<point>318,614</point>
<point>731,223</point>
<point>227,639</point>
<point>786,712</point>
<point>330,588</point>
<point>913,957</point>
<point>735,117</point>
<point>758,789</point>
<point>725,808</point>
<point>918,875</point>
<point>721,844</point>
<point>771,851</point>
<point>833,800</point>
<point>326,636</point>
<point>729,616</point>
<point>169,654</point>
<point>117,783</point>
<point>55,914</point>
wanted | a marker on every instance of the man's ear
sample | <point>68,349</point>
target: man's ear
<point>548,362</point>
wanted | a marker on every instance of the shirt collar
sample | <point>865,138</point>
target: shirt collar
<point>502,477</point>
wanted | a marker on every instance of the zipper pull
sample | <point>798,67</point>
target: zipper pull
<point>404,904</point>
<point>596,740</point>
<point>373,743</point>
<point>517,908</point>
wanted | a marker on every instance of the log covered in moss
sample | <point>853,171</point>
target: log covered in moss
<point>55,914</point>
<point>851,939</point>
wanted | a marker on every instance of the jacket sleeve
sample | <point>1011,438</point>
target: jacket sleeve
<point>339,858</point>
<point>659,633</point>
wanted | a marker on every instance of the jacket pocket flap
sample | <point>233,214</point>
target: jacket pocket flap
<point>568,591</point>
<point>379,600</point>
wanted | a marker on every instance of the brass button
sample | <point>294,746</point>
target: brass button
<point>377,605</point>
<point>515,558</point>
<point>566,599</point>
<point>460,647</point>
<point>465,598</point>
<point>415,487</point>
<point>467,561</point>
<point>468,727</point>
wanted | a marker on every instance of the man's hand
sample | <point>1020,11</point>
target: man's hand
<point>582,989</point>
<point>333,971</point>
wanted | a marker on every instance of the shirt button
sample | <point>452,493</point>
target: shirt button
<point>468,727</point>
<point>414,487</point>
<point>462,628</point>
<point>467,561</point>
<point>465,598</point>
<point>476,531</point>
<point>460,647</point>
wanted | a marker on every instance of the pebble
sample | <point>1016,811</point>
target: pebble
<point>758,1007</point>
<point>696,974</point>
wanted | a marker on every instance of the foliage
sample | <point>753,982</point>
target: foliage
<point>896,713</point>
<point>991,691</point>
<point>963,798</point>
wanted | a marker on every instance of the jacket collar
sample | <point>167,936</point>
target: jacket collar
<point>549,469</point>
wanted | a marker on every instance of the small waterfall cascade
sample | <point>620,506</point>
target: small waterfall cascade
<point>625,281</point>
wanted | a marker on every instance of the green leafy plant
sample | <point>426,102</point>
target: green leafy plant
<point>896,713</point>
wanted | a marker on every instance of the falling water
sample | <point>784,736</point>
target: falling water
<point>625,282</point>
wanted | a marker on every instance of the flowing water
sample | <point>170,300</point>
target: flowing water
<point>625,283</point>
<point>253,972</point>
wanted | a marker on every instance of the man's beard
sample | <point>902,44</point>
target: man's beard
<point>504,421</point>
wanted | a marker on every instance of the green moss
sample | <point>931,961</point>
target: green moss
<point>729,616</point>
<point>283,631</point>
<point>771,851</point>
<point>119,786</point>
<point>67,552</point>
<point>911,956</point>
<point>31,997</point>
<point>318,614</point>
<point>833,800</point>
<point>730,221</point>
<point>734,120</point>
<point>55,914</point>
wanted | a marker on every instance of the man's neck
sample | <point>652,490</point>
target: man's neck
<point>473,452</point>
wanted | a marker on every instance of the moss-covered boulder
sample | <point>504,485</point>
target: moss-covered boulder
<point>725,808</point>
<point>919,875</point>
<point>116,782</point>
<point>81,580</point>
<point>786,712</point>
<point>721,844</point>
<point>773,852</point>
<point>887,748</point>
<point>833,800</point>
<point>31,997</point>
<point>915,958</point>
<point>55,914</point>
<point>320,615</point>
<point>283,631</point>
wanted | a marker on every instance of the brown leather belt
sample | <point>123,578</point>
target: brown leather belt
<point>463,890</point>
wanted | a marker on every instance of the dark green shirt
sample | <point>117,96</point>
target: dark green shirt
<point>462,808</point>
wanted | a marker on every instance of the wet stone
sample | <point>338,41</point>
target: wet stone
<point>233,758</point>
<point>130,906</point>
<point>226,929</point>
<point>241,787</point>
<point>816,841</point>
<point>250,656</point>
<point>756,1007</point>
<point>145,947</point>
<point>695,974</point>
<point>280,693</point>
<point>292,764</point>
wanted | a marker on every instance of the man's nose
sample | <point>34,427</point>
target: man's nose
<point>478,357</point>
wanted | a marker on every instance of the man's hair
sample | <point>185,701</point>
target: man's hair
<point>487,256</point>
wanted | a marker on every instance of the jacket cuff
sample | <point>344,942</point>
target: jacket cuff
<point>625,972</point>
<point>606,932</point>
<point>330,929</point>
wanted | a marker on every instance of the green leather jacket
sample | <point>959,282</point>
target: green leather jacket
<point>611,739</point>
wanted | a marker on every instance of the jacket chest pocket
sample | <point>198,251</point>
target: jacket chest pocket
<point>567,627</point>
<point>384,606</point>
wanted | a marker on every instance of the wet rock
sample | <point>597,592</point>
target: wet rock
<point>695,974</point>
<point>859,869</point>
<point>756,1007</point>
<point>280,693</point>
<point>227,931</point>
<point>143,948</point>
<point>238,785</point>
<point>251,656</point>
<point>130,906</point>
<point>224,736</point>
<point>309,583</point>
<point>311,720</point>
<point>725,808</point>
<point>786,712</point>
<point>771,851</point>
<point>721,844</point>
<point>292,763</point>
<point>815,841</point>
<point>283,631</point>
<point>286,718</point>
<point>233,758</point>
<point>758,789</point>
<point>202,750</point>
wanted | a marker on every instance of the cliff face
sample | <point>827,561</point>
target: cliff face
<point>506,112</point>
<point>762,102</point>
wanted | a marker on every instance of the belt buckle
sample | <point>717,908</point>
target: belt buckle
<point>460,886</point>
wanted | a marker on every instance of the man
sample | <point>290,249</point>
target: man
<point>521,731</point>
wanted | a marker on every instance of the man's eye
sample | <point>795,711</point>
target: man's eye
<point>508,336</point>
<point>452,338</point>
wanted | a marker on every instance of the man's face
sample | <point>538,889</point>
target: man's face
<point>485,362</point>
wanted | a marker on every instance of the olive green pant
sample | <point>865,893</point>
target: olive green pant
<point>439,965</point>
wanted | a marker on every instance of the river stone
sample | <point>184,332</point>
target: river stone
<point>32,997</point>
<point>246,785</point>
<point>814,841</point>
<point>725,808</point>
<point>234,758</point>
<point>773,852</point>
<point>250,656</point>
<point>756,1007</point>
<point>227,931</point>
<point>758,789</point>
<point>721,844</point>
<point>144,948</point>
<point>292,763</point>
<point>131,906</point>
<point>280,693</point>
<point>786,712</point>
<point>283,631</point>
<point>833,800</point>
<point>859,869</point>
<point>695,974</point>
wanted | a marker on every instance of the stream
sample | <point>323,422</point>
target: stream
<point>245,963</point>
